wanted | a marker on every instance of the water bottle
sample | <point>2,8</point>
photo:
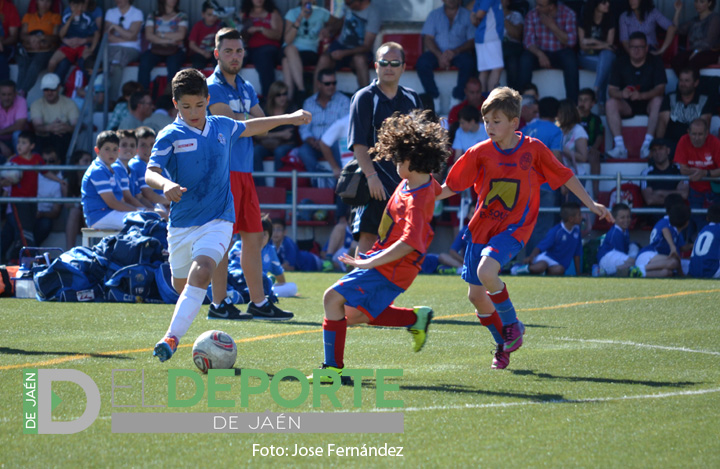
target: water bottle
<point>24,283</point>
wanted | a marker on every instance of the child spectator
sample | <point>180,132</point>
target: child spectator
<point>138,166</point>
<point>102,195</point>
<point>48,212</point>
<point>487,16</point>
<point>291,256</point>
<point>125,175</point>
<point>79,34</point>
<point>470,131</point>
<point>705,259</point>
<point>660,258</point>
<point>419,147</point>
<point>561,246</point>
<point>616,254</point>
<point>507,172</point>
<point>201,42</point>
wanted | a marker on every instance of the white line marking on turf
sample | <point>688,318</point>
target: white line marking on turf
<point>556,401</point>
<point>635,344</point>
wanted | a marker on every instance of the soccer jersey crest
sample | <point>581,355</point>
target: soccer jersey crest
<point>221,139</point>
<point>504,190</point>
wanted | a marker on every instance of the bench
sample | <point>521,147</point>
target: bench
<point>88,234</point>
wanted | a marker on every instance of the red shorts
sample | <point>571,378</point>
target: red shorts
<point>72,53</point>
<point>247,206</point>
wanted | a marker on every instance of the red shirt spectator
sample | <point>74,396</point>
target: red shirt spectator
<point>705,158</point>
<point>28,184</point>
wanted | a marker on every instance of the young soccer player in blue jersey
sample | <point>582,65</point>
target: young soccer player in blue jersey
<point>127,177</point>
<point>661,257</point>
<point>616,254</point>
<point>418,146</point>
<point>506,172</point>
<point>705,259</point>
<point>195,149</point>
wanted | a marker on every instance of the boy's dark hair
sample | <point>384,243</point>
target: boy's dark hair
<point>673,199</point>
<point>588,91</point>
<point>189,81</point>
<point>226,33</point>
<point>619,207</point>
<point>279,221</point>
<point>206,6</point>
<point>48,149</point>
<point>416,137</point>
<point>469,114</point>
<point>27,135</point>
<point>505,100</point>
<point>106,136</point>
<point>531,86</point>
<point>548,108</point>
<point>135,99</point>
<point>144,132</point>
<point>127,133</point>
<point>568,209</point>
<point>713,214</point>
<point>679,215</point>
<point>267,224</point>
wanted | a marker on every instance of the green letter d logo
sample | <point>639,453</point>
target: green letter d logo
<point>92,408</point>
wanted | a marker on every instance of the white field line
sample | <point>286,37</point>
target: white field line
<point>635,344</point>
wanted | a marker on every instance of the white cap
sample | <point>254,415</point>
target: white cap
<point>50,82</point>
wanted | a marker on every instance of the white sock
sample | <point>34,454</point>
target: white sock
<point>261,304</point>
<point>648,139</point>
<point>619,142</point>
<point>186,309</point>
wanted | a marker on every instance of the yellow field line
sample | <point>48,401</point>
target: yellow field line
<point>56,361</point>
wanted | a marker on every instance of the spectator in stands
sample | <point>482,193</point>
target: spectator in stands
<point>48,212</point>
<point>164,114</point>
<point>75,220</point>
<point>358,23</point>
<point>698,155</point>
<point>705,260</point>
<point>528,110</point>
<point>596,37</point>
<point>473,97</point>
<point>660,164</point>
<point>39,38</point>
<point>592,123</point>
<point>661,258</point>
<point>263,26</point>
<point>448,39</point>
<point>79,35</point>
<point>683,106</point>
<point>550,37</point>
<point>642,16</point>
<point>512,45</point>
<point>616,254</point>
<point>279,141</point>
<point>703,36</point>
<point>54,116</point>
<point>10,23</point>
<point>636,86</point>
<point>487,16</point>
<point>303,27</point>
<point>575,141</point>
<point>327,106</point>
<point>201,42</point>
<point>471,131</point>
<point>121,109</point>
<point>165,29</point>
<point>92,9</point>
<point>123,26</point>
<point>141,107</point>
<point>13,117</point>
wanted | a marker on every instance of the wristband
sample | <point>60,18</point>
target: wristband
<point>371,175</point>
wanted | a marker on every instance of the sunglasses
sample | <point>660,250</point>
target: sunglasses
<point>329,83</point>
<point>392,63</point>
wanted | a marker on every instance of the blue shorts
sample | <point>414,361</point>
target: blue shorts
<point>368,291</point>
<point>501,247</point>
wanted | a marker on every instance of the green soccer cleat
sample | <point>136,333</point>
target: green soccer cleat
<point>419,330</point>
<point>327,379</point>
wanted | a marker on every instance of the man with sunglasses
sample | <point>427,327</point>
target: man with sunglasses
<point>369,107</point>
<point>327,106</point>
<point>122,26</point>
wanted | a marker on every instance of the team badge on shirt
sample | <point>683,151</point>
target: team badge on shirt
<point>504,190</point>
<point>221,139</point>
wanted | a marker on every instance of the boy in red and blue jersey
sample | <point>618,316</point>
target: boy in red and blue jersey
<point>506,172</point>
<point>418,146</point>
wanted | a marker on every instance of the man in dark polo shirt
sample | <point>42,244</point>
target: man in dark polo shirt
<point>654,192</point>
<point>683,106</point>
<point>369,107</point>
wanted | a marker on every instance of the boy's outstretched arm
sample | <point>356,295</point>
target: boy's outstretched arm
<point>397,251</point>
<point>446,192</point>
<point>600,210</point>
<point>262,125</point>
<point>172,190</point>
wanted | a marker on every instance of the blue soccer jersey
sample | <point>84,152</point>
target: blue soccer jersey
<point>657,240</point>
<point>241,99</point>
<point>615,239</point>
<point>705,260</point>
<point>492,27</point>
<point>270,260</point>
<point>137,172</point>
<point>562,245</point>
<point>199,161</point>
<point>121,174</point>
<point>98,179</point>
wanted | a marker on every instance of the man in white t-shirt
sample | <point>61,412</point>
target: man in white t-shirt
<point>122,25</point>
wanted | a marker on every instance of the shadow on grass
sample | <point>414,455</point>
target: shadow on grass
<point>15,351</point>
<point>654,384</point>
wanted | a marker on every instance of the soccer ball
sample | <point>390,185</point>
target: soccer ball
<point>13,175</point>
<point>214,350</point>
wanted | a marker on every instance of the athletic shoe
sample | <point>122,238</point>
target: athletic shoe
<point>645,151</point>
<point>617,152</point>
<point>520,269</point>
<point>513,335</point>
<point>269,312</point>
<point>501,358</point>
<point>635,272</point>
<point>328,379</point>
<point>420,328</point>
<point>227,310</point>
<point>165,349</point>
<point>327,266</point>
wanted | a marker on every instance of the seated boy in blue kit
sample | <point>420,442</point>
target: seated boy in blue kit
<point>617,254</point>
<point>705,259</point>
<point>418,146</point>
<point>561,245</point>
<point>195,149</point>
<point>661,257</point>
<point>127,177</point>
